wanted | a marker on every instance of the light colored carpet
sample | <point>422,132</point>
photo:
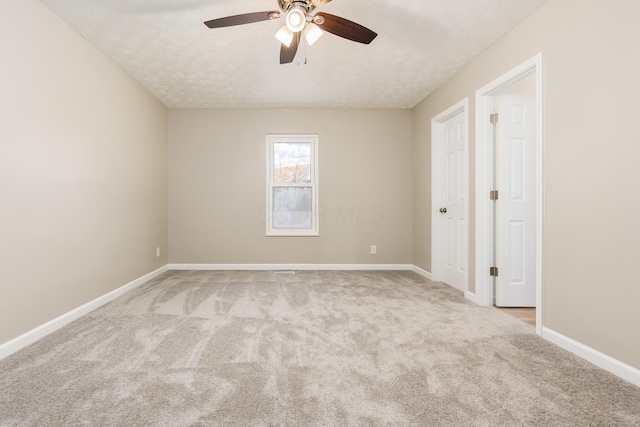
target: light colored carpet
<point>312,348</point>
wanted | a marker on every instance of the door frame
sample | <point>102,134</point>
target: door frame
<point>437,179</point>
<point>485,162</point>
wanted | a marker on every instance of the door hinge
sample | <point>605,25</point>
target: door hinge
<point>493,118</point>
<point>493,271</point>
<point>493,195</point>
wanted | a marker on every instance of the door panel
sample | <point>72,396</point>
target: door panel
<point>516,205</point>
<point>450,236</point>
<point>454,195</point>
<point>517,253</point>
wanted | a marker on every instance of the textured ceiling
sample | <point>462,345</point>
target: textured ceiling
<point>165,46</point>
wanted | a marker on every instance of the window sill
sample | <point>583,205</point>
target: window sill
<point>293,233</point>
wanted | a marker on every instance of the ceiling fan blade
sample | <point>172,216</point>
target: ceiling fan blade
<point>245,18</point>
<point>288,53</point>
<point>346,29</point>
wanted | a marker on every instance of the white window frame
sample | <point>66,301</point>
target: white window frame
<point>289,138</point>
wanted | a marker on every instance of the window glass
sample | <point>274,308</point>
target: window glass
<point>292,162</point>
<point>292,207</point>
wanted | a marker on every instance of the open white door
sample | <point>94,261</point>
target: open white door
<point>516,204</point>
<point>485,170</point>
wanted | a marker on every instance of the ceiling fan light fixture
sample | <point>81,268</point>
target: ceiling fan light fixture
<point>296,19</point>
<point>312,33</point>
<point>285,35</point>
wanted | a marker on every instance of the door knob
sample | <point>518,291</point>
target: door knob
<point>443,210</point>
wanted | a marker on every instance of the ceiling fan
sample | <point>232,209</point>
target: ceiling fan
<point>299,18</point>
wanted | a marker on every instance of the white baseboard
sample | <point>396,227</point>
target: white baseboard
<point>299,267</point>
<point>608,363</point>
<point>41,331</point>
<point>601,360</point>
<point>420,271</point>
<point>471,297</point>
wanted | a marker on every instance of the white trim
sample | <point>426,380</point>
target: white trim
<point>484,180</point>
<point>608,363</point>
<point>422,272</point>
<point>484,184</point>
<point>601,360</point>
<point>437,123</point>
<point>53,325</point>
<point>471,297</point>
<point>298,267</point>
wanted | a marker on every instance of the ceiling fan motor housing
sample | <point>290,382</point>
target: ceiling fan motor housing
<point>308,5</point>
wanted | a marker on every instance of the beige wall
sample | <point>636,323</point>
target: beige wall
<point>592,146</point>
<point>217,191</point>
<point>83,171</point>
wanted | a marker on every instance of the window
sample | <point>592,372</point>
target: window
<point>292,185</point>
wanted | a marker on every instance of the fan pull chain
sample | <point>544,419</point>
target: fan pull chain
<point>304,43</point>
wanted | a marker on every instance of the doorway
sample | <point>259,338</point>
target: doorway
<point>509,222</point>
<point>450,196</point>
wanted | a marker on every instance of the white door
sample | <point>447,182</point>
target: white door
<point>516,204</point>
<point>454,191</point>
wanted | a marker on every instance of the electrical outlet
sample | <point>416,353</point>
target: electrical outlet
<point>157,252</point>
<point>374,250</point>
